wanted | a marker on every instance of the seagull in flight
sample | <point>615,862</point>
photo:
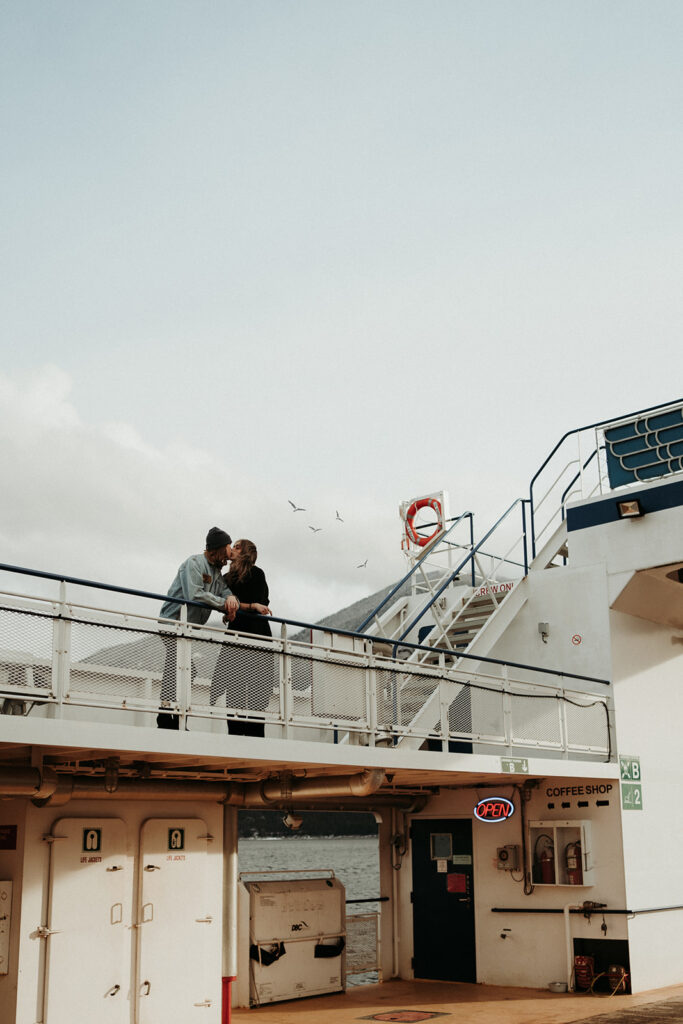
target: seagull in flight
<point>316,529</point>
<point>339,518</point>
<point>295,508</point>
<point>362,564</point>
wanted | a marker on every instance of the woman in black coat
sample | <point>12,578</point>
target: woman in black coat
<point>245,675</point>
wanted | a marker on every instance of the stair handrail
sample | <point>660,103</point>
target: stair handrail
<point>470,557</point>
<point>429,552</point>
<point>565,493</point>
<point>613,420</point>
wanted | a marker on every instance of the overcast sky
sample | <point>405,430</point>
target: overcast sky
<point>341,252</point>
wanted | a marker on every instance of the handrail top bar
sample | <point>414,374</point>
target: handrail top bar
<point>302,625</point>
<point>61,578</point>
<point>601,423</point>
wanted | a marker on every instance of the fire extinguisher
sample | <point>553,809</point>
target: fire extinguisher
<point>544,863</point>
<point>572,856</point>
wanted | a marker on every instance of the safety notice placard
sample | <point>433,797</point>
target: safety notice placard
<point>514,765</point>
<point>631,796</point>
<point>629,768</point>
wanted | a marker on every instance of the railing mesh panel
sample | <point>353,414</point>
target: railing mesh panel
<point>535,719</point>
<point>328,688</point>
<point>115,665</point>
<point>361,943</point>
<point>234,675</point>
<point>486,712</point>
<point>587,726</point>
<point>25,652</point>
<point>401,695</point>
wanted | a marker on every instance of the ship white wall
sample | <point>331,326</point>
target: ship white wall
<point>574,603</point>
<point>648,683</point>
<point>534,953</point>
<point>630,544</point>
<point>386,872</point>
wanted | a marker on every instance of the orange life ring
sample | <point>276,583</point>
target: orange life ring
<point>412,534</point>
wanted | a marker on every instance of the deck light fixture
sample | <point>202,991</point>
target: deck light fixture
<point>631,509</point>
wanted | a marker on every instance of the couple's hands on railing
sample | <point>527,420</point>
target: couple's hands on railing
<point>253,607</point>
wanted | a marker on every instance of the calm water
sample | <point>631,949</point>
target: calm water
<point>355,863</point>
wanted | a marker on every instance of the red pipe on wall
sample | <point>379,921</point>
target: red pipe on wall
<point>226,1009</point>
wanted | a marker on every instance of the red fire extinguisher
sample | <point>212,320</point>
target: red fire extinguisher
<point>547,862</point>
<point>544,861</point>
<point>572,856</point>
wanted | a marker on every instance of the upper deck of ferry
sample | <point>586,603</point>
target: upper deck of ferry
<point>425,690</point>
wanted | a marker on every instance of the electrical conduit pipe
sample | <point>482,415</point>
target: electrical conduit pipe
<point>44,786</point>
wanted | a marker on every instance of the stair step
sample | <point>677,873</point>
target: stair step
<point>472,620</point>
<point>463,627</point>
<point>478,602</point>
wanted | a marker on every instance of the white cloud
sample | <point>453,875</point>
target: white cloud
<point>100,502</point>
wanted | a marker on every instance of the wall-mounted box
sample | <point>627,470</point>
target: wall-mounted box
<point>508,858</point>
<point>560,853</point>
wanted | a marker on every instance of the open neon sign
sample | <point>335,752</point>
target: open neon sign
<point>494,808</point>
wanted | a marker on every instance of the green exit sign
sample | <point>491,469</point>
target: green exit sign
<point>514,765</point>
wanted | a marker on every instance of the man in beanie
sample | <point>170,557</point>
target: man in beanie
<point>199,580</point>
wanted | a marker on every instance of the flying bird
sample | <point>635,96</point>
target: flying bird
<point>295,508</point>
<point>339,518</point>
<point>316,529</point>
<point>362,564</point>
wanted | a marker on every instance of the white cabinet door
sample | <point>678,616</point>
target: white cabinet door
<point>177,924</point>
<point>88,942</point>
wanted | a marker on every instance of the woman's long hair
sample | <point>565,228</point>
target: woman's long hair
<point>242,562</point>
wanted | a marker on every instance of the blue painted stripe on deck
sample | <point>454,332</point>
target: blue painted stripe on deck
<point>600,512</point>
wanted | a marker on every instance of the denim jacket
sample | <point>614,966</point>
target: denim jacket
<point>197,580</point>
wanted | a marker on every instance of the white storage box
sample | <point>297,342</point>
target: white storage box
<point>296,938</point>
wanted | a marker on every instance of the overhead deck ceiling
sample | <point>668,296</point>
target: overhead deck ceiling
<point>143,763</point>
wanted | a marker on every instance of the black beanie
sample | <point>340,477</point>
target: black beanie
<point>217,538</point>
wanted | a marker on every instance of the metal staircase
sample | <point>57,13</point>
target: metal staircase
<point>454,595</point>
<point>463,598</point>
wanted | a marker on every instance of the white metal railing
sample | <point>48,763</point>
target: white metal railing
<point>57,656</point>
<point>577,466</point>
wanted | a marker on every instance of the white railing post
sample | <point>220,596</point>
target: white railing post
<point>443,703</point>
<point>507,710</point>
<point>183,669</point>
<point>598,459</point>
<point>285,684</point>
<point>61,654</point>
<point>371,692</point>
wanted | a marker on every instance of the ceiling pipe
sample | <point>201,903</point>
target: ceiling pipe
<point>286,789</point>
<point>37,783</point>
<point>44,786</point>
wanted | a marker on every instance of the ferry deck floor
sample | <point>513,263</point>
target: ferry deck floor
<point>453,1003</point>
